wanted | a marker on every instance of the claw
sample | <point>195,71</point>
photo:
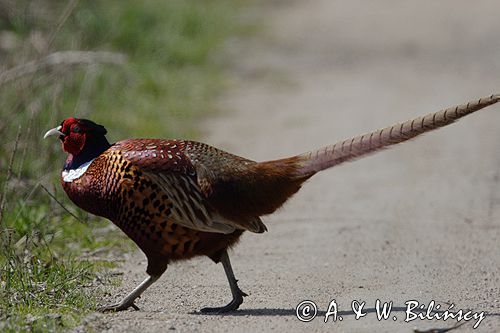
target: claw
<point>117,307</point>
<point>233,306</point>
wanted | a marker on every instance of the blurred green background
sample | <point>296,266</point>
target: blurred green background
<point>158,77</point>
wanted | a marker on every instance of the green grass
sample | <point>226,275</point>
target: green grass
<point>53,264</point>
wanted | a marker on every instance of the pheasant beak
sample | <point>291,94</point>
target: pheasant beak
<point>54,131</point>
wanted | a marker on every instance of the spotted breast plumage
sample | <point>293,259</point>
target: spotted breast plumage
<point>178,199</point>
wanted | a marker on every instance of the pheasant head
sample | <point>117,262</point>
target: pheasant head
<point>82,139</point>
<point>76,133</point>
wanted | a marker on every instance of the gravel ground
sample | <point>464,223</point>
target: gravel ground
<point>418,222</point>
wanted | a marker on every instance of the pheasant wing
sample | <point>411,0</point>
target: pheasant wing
<point>164,166</point>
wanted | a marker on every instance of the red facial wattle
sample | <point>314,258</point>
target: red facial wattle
<point>73,143</point>
<point>74,138</point>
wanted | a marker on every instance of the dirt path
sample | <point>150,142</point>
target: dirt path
<point>418,222</point>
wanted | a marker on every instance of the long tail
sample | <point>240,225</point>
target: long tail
<point>358,146</point>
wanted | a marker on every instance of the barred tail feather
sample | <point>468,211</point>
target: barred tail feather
<point>361,145</point>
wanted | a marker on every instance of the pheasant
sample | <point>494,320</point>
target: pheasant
<point>179,199</point>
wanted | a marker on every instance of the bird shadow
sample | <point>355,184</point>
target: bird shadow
<point>279,312</point>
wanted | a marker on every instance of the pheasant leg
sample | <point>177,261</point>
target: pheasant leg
<point>128,301</point>
<point>235,290</point>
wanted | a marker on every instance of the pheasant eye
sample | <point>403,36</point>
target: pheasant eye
<point>76,129</point>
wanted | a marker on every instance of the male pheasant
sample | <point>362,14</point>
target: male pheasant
<point>178,199</point>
